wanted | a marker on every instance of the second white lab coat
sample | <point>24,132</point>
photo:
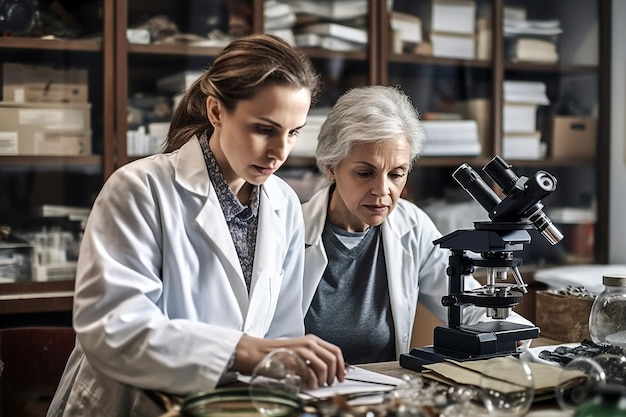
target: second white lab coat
<point>160,299</point>
<point>416,269</point>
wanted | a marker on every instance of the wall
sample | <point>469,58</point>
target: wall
<point>617,219</point>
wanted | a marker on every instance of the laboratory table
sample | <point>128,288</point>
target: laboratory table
<point>547,408</point>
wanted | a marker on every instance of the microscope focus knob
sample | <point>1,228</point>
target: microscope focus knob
<point>467,269</point>
<point>449,300</point>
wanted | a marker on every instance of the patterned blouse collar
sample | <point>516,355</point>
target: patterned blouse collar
<point>229,202</point>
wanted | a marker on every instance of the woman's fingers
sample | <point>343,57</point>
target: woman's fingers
<point>324,361</point>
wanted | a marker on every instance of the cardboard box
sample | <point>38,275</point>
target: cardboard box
<point>573,137</point>
<point>23,83</point>
<point>563,317</point>
<point>479,109</point>
<point>45,129</point>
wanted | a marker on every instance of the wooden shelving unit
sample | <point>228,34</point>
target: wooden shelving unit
<point>118,66</point>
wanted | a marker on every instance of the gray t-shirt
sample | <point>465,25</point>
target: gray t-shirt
<point>351,306</point>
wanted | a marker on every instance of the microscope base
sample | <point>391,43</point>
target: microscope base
<point>481,341</point>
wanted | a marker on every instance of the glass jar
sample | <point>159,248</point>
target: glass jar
<point>607,319</point>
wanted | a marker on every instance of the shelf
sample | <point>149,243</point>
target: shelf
<point>190,50</point>
<point>432,60</point>
<point>118,69</point>
<point>433,161</point>
<point>56,161</point>
<point>318,53</point>
<point>36,287</point>
<point>81,45</point>
<point>173,49</point>
<point>552,68</point>
<point>36,297</point>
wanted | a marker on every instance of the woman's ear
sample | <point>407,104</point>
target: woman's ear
<point>213,110</point>
<point>330,173</point>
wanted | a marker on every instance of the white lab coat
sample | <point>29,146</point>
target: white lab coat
<point>160,299</point>
<point>416,269</point>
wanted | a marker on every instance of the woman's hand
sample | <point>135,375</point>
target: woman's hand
<point>324,360</point>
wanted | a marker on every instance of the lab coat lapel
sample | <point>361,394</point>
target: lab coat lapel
<point>267,274</point>
<point>270,240</point>
<point>315,261</point>
<point>398,261</point>
<point>211,220</point>
<point>191,173</point>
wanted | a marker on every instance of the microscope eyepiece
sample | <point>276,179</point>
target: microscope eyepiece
<point>522,201</point>
<point>501,173</point>
<point>476,187</point>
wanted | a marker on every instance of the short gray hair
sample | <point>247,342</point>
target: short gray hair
<point>365,115</point>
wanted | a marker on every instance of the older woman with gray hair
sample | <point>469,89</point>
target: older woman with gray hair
<point>369,256</point>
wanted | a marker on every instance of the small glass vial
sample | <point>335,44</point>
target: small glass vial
<point>607,319</point>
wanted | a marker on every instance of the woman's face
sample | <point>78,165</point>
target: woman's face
<point>253,141</point>
<point>368,184</point>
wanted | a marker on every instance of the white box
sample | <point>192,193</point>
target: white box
<point>453,16</point>
<point>526,147</point>
<point>408,26</point>
<point>140,36</point>
<point>447,45</point>
<point>519,118</point>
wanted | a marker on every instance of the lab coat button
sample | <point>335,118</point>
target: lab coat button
<point>405,338</point>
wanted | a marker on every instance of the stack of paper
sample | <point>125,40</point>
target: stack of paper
<point>339,31</point>
<point>453,27</point>
<point>279,20</point>
<point>525,92</point>
<point>451,137</point>
<point>407,27</point>
<point>331,9</point>
<point>530,40</point>
<point>533,50</point>
<point>337,25</point>
<point>368,386</point>
<point>522,139</point>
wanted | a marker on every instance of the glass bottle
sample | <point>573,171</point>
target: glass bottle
<point>607,319</point>
<point>610,403</point>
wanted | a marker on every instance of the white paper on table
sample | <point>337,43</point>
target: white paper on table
<point>358,380</point>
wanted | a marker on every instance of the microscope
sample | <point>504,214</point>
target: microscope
<point>491,245</point>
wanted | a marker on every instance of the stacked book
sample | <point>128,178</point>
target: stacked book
<point>451,138</point>
<point>279,20</point>
<point>522,139</point>
<point>452,28</point>
<point>338,25</point>
<point>530,40</point>
<point>406,31</point>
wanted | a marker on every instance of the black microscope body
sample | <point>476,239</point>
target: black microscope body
<point>492,244</point>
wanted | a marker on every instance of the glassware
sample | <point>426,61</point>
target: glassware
<point>508,387</point>
<point>610,402</point>
<point>593,387</point>
<point>280,372</point>
<point>579,382</point>
<point>607,319</point>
